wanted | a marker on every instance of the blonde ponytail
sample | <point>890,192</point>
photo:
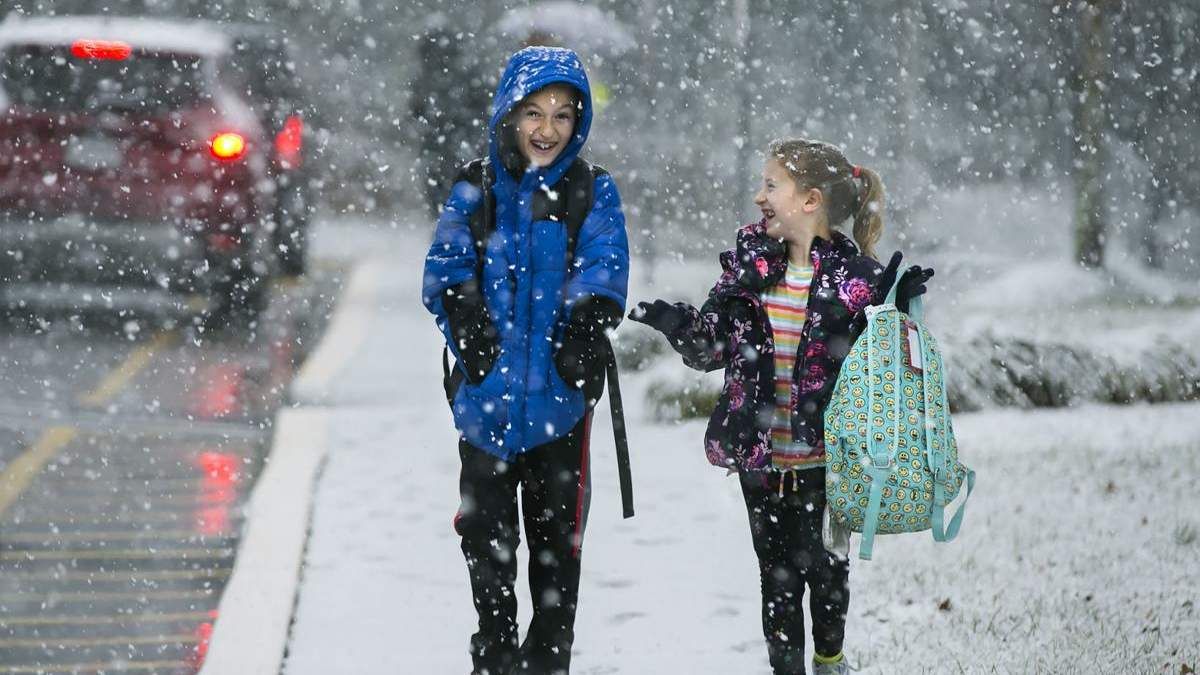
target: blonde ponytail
<point>868,219</point>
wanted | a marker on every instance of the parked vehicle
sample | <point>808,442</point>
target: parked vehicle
<point>133,174</point>
<point>264,63</point>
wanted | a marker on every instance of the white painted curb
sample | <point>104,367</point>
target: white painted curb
<point>347,329</point>
<point>255,613</point>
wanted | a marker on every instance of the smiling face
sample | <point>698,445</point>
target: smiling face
<point>787,208</point>
<point>545,122</point>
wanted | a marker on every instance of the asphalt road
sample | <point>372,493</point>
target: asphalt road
<point>127,452</point>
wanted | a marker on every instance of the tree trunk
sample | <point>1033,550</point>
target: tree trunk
<point>743,20</point>
<point>907,190</point>
<point>1090,123</point>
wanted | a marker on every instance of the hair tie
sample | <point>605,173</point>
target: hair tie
<point>856,171</point>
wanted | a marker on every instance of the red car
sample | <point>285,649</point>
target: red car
<point>134,174</point>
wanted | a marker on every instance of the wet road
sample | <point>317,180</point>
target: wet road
<point>126,455</point>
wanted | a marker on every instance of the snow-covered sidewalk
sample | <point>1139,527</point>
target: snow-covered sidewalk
<point>1078,553</point>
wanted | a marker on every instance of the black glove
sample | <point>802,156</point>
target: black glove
<point>472,329</point>
<point>580,359</point>
<point>660,315</point>
<point>912,284</point>
<point>888,277</point>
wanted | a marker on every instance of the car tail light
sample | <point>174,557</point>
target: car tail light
<point>222,242</point>
<point>288,142</point>
<point>101,49</point>
<point>227,145</point>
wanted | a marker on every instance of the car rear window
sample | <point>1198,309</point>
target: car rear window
<point>51,79</point>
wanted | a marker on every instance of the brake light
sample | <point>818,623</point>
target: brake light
<point>109,50</point>
<point>227,145</point>
<point>288,142</point>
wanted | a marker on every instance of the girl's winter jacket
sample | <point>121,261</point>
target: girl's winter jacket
<point>527,289</point>
<point>732,331</point>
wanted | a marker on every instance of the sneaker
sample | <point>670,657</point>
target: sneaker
<point>839,667</point>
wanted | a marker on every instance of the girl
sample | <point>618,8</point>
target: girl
<point>780,320</point>
<point>524,310</point>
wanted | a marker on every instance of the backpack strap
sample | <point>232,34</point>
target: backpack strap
<point>579,185</point>
<point>936,459</point>
<point>479,172</point>
<point>880,453</point>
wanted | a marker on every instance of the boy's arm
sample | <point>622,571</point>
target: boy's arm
<point>450,290</point>
<point>600,269</point>
<point>597,284</point>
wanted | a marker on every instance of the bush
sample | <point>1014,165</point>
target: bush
<point>684,398</point>
<point>637,347</point>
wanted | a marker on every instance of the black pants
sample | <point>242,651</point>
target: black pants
<point>555,493</point>
<point>786,529</point>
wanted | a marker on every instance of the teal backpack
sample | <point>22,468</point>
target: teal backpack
<point>890,457</point>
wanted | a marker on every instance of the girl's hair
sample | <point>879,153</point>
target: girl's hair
<point>848,190</point>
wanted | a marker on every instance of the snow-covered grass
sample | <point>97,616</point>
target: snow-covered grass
<point>1075,556</point>
<point>1078,553</point>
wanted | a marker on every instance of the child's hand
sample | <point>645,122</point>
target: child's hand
<point>888,277</point>
<point>659,315</point>
<point>912,284</point>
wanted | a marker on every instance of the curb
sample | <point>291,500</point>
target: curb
<point>254,616</point>
<point>255,612</point>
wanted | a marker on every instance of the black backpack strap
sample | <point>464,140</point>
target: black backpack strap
<point>452,379</point>
<point>617,410</point>
<point>579,185</point>
<point>479,173</point>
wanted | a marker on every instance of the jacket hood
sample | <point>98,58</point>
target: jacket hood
<point>529,70</point>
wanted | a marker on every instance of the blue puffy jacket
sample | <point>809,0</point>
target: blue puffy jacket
<point>528,290</point>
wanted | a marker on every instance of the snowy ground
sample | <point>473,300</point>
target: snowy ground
<point>1078,554</point>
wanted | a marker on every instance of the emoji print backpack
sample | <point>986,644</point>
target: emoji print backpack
<point>890,456</point>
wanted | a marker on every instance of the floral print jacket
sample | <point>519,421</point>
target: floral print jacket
<point>732,331</point>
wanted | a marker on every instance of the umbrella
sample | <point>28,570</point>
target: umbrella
<point>581,27</point>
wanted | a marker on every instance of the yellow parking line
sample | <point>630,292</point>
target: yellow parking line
<point>99,666</point>
<point>150,536</point>
<point>20,473</point>
<point>120,641</point>
<point>185,501</point>
<point>133,364</point>
<point>149,553</point>
<point>118,518</point>
<point>127,576</point>
<point>103,620</point>
<point>99,596</point>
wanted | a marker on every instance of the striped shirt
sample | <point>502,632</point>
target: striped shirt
<point>787,308</point>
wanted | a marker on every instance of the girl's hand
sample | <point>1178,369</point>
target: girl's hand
<point>888,277</point>
<point>912,284</point>
<point>659,315</point>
